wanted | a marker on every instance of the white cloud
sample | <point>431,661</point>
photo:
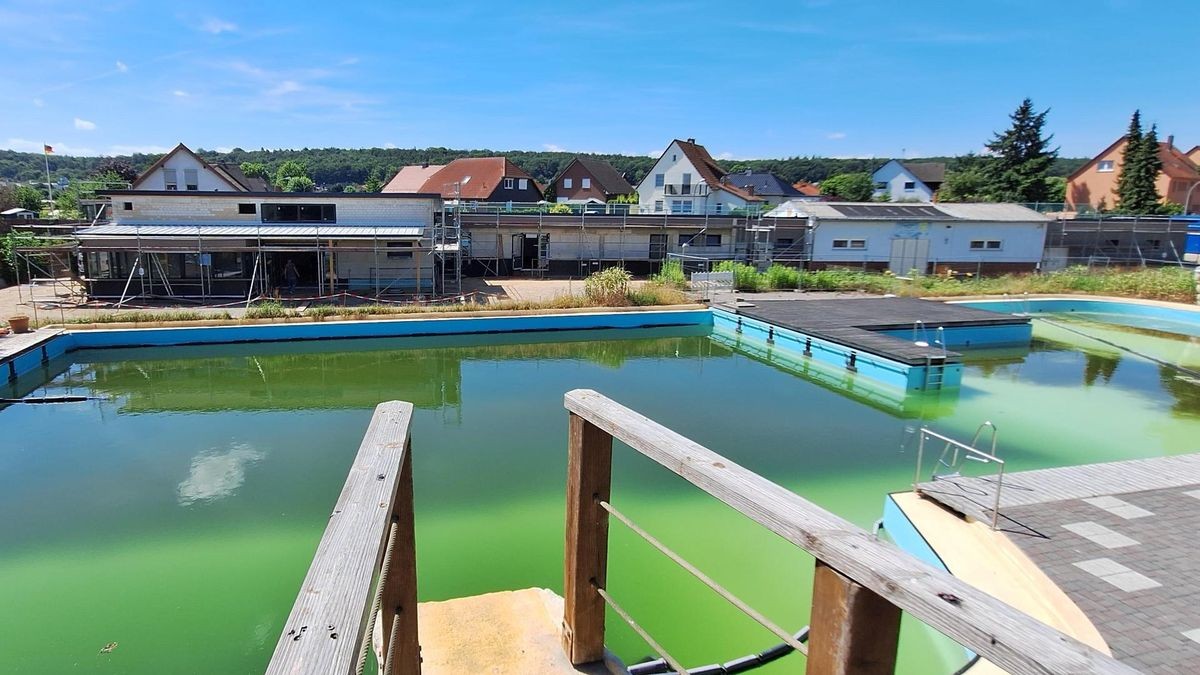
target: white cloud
<point>835,135</point>
<point>725,155</point>
<point>137,150</point>
<point>215,475</point>
<point>553,147</point>
<point>285,87</point>
<point>223,149</point>
<point>217,26</point>
<point>84,125</point>
<point>179,93</point>
<point>389,145</point>
<point>121,67</point>
<point>39,103</point>
<point>60,148</point>
<point>349,61</point>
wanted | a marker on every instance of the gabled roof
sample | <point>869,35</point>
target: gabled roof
<point>183,148</point>
<point>806,188</point>
<point>411,178</point>
<point>606,176</point>
<point>1175,163</point>
<point>477,177</point>
<point>249,183</point>
<point>926,172</point>
<point>761,183</point>
<point>14,211</point>
<point>709,170</point>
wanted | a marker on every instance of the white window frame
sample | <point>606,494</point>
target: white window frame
<point>658,205</point>
<point>567,183</point>
<point>508,183</point>
<point>191,179</point>
<point>987,245</point>
<point>850,244</point>
<point>910,186</point>
<point>660,179</point>
<point>170,179</point>
<point>1104,166</point>
<point>523,184</point>
<point>585,183</point>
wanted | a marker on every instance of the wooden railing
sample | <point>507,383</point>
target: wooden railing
<point>860,587</point>
<point>364,569</point>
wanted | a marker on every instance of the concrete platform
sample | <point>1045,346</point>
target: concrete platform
<point>504,633</point>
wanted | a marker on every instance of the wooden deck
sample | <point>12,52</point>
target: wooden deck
<point>12,345</point>
<point>856,322</point>
<point>975,496</point>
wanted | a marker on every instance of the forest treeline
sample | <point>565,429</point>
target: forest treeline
<point>336,168</point>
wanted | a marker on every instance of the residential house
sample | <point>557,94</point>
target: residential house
<point>590,180</point>
<point>686,180</point>
<point>184,171</point>
<point>771,188</point>
<point>475,179</point>
<point>17,213</point>
<point>927,238</point>
<point>234,244</point>
<point>808,191</point>
<point>1094,185</point>
<point>410,179</point>
<point>909,181</point>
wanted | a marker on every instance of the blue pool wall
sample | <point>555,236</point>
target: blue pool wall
<point>832,354</point>
<point>967,337</point>
<point>66,342</point>
<point>1182,319</point>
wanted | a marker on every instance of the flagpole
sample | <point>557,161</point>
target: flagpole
<point>49,186</point>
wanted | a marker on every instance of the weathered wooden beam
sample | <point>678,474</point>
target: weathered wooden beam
<point>327,623</point>
<point>589,474</point>
<point>1008,638</point>
<point>853,631</point>
<point>399,600</point>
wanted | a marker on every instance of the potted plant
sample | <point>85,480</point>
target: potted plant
<point>19,323</point>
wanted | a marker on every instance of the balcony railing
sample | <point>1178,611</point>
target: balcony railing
<point>685,189</point>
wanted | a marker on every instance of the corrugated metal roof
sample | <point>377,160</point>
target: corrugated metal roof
<point>251,231</point>
<point>992,213</point>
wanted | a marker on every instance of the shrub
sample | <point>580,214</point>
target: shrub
<point>608,287</point>
<point>782,276</point>
<point>671,274</point>
<point>656,294</point>
<point>745,277</point>
<point>267,309</point>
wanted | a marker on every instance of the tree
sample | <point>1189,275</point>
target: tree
<point>374,181</point>
<point>1058,189</point>
<point>968,183</point>
<point>849,187</point>
<point>1021,158</point>
<point>297,184</point>
<point>28,198</point>
<point>254,170</point>
<point>291,176</point>
<point>1136,190</point>
<point>112,167</point>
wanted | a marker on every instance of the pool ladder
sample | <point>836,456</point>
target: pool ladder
<point>954,453</point>
<point>935,366</point>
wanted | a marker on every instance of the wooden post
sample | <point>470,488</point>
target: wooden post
<point>589,475</point>
<point>399,602</point>
<point>854,631</point>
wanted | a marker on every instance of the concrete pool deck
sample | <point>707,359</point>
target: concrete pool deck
<point>1115,540</point>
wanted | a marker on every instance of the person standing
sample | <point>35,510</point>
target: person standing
<point>291,275</point>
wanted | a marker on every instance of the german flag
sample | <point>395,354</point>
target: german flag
<point>47,149</point>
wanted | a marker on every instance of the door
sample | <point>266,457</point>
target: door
<point>658,246</point>
<point>529,252</point>
<point>518,251</point>
<point>907,255</point>
<point>543,252</point>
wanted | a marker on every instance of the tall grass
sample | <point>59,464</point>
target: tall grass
<point>671,274</point>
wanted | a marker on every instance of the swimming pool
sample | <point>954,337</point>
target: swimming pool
<point>177,514</point>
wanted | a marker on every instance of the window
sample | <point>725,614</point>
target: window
<point>1104,166</point>
<point>660,179</point>
<point>247,209</point>
<point>299,213</point>
<point>681,206</point>
<point>850,243</point>
<point>881,185</point>
<point>688,239</point>
<point>909,186</point>
<point>508,183</point>
<point>225,265</point>
<point>784,242</point>
<point>128,206</point>
<point>674,158</point>
<point>686,187</point>
<point>985,244</point>
<point>395,255</point>
<point>523,184</point>
<point>658,205</point>
<point>585,183</point>
<point>712,240</point>
<point>170,179</point>
<point>719,208</point>
<point>191,179</point>
<point>567,183</point>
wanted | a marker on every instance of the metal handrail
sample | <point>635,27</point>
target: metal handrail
<point>972,453</point>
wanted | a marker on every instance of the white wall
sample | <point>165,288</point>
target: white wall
<point>207,180</point>
<point>568,243</point>
<point>200,208</point>
<point>948,242</point>
<point>895,175</point>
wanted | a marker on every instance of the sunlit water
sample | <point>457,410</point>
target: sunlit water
<point>177,516</point>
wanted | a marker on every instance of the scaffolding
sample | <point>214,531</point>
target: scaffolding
<point>1104,240</point>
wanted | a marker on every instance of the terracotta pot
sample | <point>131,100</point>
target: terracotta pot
<point>19,323</point>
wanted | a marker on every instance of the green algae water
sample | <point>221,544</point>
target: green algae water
<point>177,515</point>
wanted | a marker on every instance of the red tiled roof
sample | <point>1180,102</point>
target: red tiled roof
<point>477,177</point>
<point>710,171</point>
<point>1176,164</point>
<point>807,189</point>
<point>410,179</point>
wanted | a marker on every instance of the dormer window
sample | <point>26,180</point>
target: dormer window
<point>508,183</point>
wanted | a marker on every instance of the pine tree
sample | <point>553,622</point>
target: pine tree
<point>1136,190</point>
<point>1021,158</point>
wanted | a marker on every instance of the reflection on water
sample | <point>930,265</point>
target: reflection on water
<point>214,475</point>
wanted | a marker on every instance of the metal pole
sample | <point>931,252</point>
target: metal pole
<point>1187,201</point>
<point>32,299</point>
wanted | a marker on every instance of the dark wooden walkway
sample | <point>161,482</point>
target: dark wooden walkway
<point>856,322</point>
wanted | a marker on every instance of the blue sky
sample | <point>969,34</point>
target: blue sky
<point>757,79</point>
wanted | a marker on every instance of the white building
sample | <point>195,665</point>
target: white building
<point>927,238</point>
<point>909,181</point>
<point>687,180</point>
<point>182,170</point>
